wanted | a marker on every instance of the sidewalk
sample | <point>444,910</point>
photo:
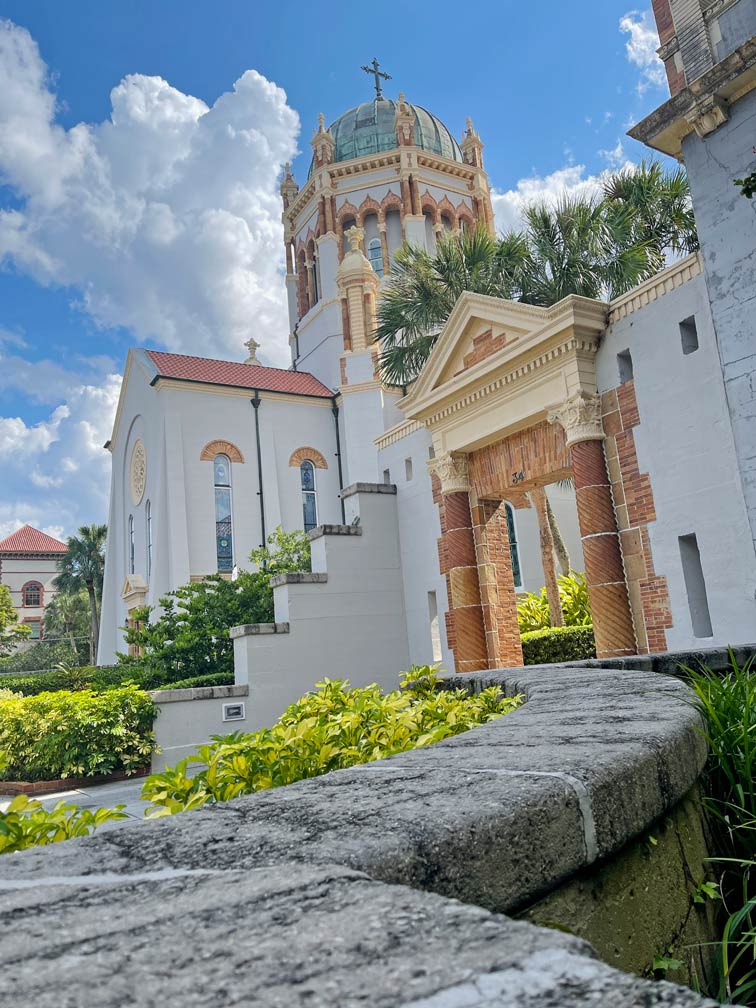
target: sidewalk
<point>125,792</point>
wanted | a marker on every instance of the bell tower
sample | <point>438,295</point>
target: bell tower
<point>383,172</point>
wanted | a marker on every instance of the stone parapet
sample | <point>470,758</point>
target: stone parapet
<point>406,864</point>
<point>367,488</point>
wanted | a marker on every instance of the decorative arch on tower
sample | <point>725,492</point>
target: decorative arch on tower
<point>220,447</point>
<point>368,206</point>
<point>307,454</point>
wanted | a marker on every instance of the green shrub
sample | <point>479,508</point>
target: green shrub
<point>218,679</point>
<point>68,678</point>
<point>26,823</point>
<point>43,656</point>
<point>558,644</point>
<point>533,607</point>
<point>727,702</point>
<point>329,729</point>
<point>76,734</point>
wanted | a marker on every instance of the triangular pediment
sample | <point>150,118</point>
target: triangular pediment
<point>479,328</point>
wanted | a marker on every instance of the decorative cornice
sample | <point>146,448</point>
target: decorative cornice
<point>394,434</point>
<point>707,115</point>
<point>580,418</point>
<point>452,471</point>
<point>714,8</point>
<point>673,276</point>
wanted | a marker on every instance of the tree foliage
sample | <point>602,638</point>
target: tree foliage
<point>285,553</point>
<point>595,247</point>
<point>12,632</point>
<point>82,569</point>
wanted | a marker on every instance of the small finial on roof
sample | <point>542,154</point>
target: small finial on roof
<point>321,122</point>
<point>252,345</point>
<point>470,129</point>
<point>378,75</point>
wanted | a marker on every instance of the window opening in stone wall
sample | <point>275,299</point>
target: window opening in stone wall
<point>224,533</point>
<point>35,626</point>
<point>689,335</point>
<point>408,469</point>
<point>514,549</point>
<point>31,594</point>
<point>695,586</point>
<point>148,530</point>
<point>625,366</point>
<point>386,475</point>
<point>132,555</point>
<point>315,293</point>
<point>375,255</point>
<point>431,452</point>
<point>435,630</point>
<point>309,491</point>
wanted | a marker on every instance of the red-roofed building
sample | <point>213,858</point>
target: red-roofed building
<point>28,566</point>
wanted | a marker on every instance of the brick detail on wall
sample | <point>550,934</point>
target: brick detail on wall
<point>484,346</point>
<point>465,628</point>
<point>634,506</point>
<point>532,457</point>
<point>496,581</point>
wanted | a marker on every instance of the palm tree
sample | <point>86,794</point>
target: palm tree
<point>68,615</point>
<point>83,566</point>
<point>423,288</point>
<point>598,248</point>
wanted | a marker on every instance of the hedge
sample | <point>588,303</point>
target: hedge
<point>75,734</point>
<point>87,677</point>
<point>216,679</point>
<point>558,644</point>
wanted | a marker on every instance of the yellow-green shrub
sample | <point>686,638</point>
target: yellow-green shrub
<point>75,734</point>
<point>332,728</point>
<point>533,607</point>
<point>26,823</point>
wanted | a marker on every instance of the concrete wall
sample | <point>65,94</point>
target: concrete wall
<point>685,443</point>
<point>345,620</point>
<point>188,717</point>
<point>407,865</point>
<point>726,223</point>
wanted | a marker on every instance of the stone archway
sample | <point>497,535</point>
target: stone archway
<point>509,395</point>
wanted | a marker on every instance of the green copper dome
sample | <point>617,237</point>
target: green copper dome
<point>369,128</point>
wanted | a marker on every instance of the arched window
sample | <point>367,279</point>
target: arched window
<point>309,493</point>
<point>375,255</point>
<point>148,530</point>
<point>132,554</point>
<point>224,544</point>
<point>446,223</point>
<point>31,594</point>
<point>315,291</point>
<point>514,549</point>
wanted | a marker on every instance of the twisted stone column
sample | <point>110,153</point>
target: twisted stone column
<point>580,416</point>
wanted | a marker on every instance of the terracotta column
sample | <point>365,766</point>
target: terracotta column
<point>580,416</point>
<point>538,496</point>
<point>497,590</point>
<point>465,628</point>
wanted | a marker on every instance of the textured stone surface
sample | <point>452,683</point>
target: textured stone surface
<point>313,894</point>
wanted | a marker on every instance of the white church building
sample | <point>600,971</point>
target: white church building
<point>427,505</point>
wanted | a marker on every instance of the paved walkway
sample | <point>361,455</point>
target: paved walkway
<point>125,792</point>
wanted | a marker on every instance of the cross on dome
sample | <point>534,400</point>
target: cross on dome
<point>372,68</point>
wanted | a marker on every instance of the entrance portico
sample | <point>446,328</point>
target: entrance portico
<point>509,396</point>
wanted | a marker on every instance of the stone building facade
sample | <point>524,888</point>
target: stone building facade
<point>28,566</point>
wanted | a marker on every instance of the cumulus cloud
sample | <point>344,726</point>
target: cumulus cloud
<point>165,218</point>
<point>56,473</point>
<point>641,47</point>
<point>508,206</point>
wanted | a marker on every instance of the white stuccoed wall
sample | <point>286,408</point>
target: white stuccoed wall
<point>344,620</point>
<point>685,443</point>
<point>175,424</point>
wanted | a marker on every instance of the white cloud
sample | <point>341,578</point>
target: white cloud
<point>571,180</point>
<point>615,158</point>
<point>165,218</point>
<point>56,473</point>
<point>641,48</point>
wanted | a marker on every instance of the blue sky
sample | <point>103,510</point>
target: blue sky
<point>150,215</point>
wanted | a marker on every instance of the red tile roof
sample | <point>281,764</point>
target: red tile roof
<point>251,376</point>
<point>31,540</point>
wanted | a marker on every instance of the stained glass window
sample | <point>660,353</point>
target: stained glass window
<point>132,557</point>
<point>375,255</point>
<point>309,503</point>
<point>224,544</point>
<point>514,549</point>
<point>148,513</point>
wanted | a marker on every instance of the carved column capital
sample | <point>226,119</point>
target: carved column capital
<point>452,471</point>
<point>580,417</point>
